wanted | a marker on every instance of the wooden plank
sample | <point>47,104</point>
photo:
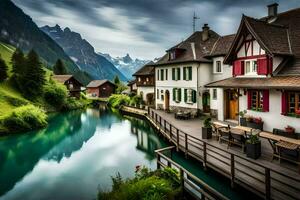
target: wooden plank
<point>272,136</point>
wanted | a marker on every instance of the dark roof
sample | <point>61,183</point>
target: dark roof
<point>62,78</point>
<point>131,82</point>
<point>202,49</point>
<point>97,83</point>
<point>279,36</point>
<point>277,82</point>
<point>147,69</point>
<point>222,45</point>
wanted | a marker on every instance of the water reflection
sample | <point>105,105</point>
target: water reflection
<point>77,152</point>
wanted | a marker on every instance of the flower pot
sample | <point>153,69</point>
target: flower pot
<point>253,150</point>
<point>206,133</point>
<point>255,125</point>
<point>243,121</point>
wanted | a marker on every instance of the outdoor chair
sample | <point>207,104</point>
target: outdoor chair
<point>288,151</point>
<point>237,137</point>
<point>224,135</point>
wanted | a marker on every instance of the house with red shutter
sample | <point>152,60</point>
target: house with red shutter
<point>265,59</point>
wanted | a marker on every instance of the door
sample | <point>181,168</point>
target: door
<point>167,100</point>
<point>232,104</point>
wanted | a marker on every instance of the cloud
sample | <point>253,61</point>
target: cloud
<point>143,28</point>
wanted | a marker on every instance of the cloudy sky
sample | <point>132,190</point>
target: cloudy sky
<point>144,28</point>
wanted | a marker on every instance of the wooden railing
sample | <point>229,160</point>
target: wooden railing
<point>189,182</point>
<point>265,181</point>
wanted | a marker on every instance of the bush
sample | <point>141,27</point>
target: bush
<point>136,100</point>
<point>158,185</point>
<point>118,100</point>
<point>55,94</point>
<point>72,103</point>
<point>25,118</point>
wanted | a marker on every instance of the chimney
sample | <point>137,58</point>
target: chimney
<point>272,10</point>
<point>205,32</point>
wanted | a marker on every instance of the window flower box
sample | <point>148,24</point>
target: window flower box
<point>255,122</point>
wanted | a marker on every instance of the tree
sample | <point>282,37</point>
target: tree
<point>3,70</point>
<point>34,76</point>
<point>59,68</point>
<point>18,67</point>
<point>117,80</point>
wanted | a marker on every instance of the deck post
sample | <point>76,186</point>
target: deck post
<point>170,132</point>
<point>204,155</point>
<point>155,117</point>
<point>148,110</point>
<point>165,125</point>
<point>186,144</point>
<point>177,139</point>
<point>158,159</point>
<point>232,170</point>
<point>268,183</point>
<point>159,120</point>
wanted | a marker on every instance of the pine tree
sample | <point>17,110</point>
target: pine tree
<point>18,65</point>
<point>59,68</point>
<point>34,76</point>
<point>3,70</point>
<point>117,80</point>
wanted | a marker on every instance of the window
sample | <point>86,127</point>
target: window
<point>157,93</point>
<point>177,95</point>
<point>172,55</point>
<point>166,74</point>
<point>147,79</point>
<point>158,74</point>
<point>175,74</point>
<point>214,94</point>
<point>218,68</point>
<point>258,100</point>
<point>139,79</point>
<point>162,95</point>
<point>161,74</point>
<point>187,73</point>
<point>294,102</point>
<point>251,67</point>
<point>189,96</point>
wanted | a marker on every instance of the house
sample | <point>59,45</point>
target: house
<point>132,86</point>
<point>145,82</point>
<point>265,81</point>
<point>72,84</point>
<point>183,71</point>
<point>100,88</point>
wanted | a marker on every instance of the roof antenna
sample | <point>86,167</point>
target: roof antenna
<point>194,22</point>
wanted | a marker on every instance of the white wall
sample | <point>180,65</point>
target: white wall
<point>145,90</point>
<point>273,118</point>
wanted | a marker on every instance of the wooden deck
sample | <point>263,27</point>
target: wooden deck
<point>270,180</point>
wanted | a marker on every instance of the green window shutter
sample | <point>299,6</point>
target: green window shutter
<point>184,73</point>
<point>179,94</point>
<point>190,73</point>
<point>178,73</point>
<point>161,74</point>
<point>185,95</point>
<point>174,94</point>
<point>158,74</point>
<point>166,74</point>
<point>173,74</point>
<point>194,96</point>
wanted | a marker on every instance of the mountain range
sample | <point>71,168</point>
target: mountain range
<point>19,30</point>
<point>83,53</point>
<point>126,64</point>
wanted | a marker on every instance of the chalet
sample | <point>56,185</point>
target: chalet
<point>145,82</point>
<point>72,84</point>
<point>100,88</point>
<point>265,55</point>
<point>183,71</point>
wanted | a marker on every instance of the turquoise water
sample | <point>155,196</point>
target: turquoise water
<point>77,154</point>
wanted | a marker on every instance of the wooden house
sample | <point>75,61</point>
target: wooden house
<point>72,84</point>
<point>100,88</point>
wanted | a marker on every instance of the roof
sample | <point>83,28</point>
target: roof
<point>278,82</point>
<point>202,49</point>
<point>279,36</point>
<point>62,78</point>
<point>222,45</point>
<point>147,69</point>
<point>97,83</point>
<point>131,82</point>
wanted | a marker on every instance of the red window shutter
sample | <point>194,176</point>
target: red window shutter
<point>238,68</point>
<point>266,100</point>
<point>242,67</point>
<point>249,95</point>
<point>284,103</point>
<point>262,66</point>
<point>234,68</point>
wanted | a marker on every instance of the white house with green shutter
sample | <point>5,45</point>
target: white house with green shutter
<point>182,73</point>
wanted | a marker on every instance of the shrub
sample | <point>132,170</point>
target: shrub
<point>72,103</point>
<point>136,100</point>
<point>25,118</point>
<point>158,185</point>
<point>55,94</point>
<point>118,100</point>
